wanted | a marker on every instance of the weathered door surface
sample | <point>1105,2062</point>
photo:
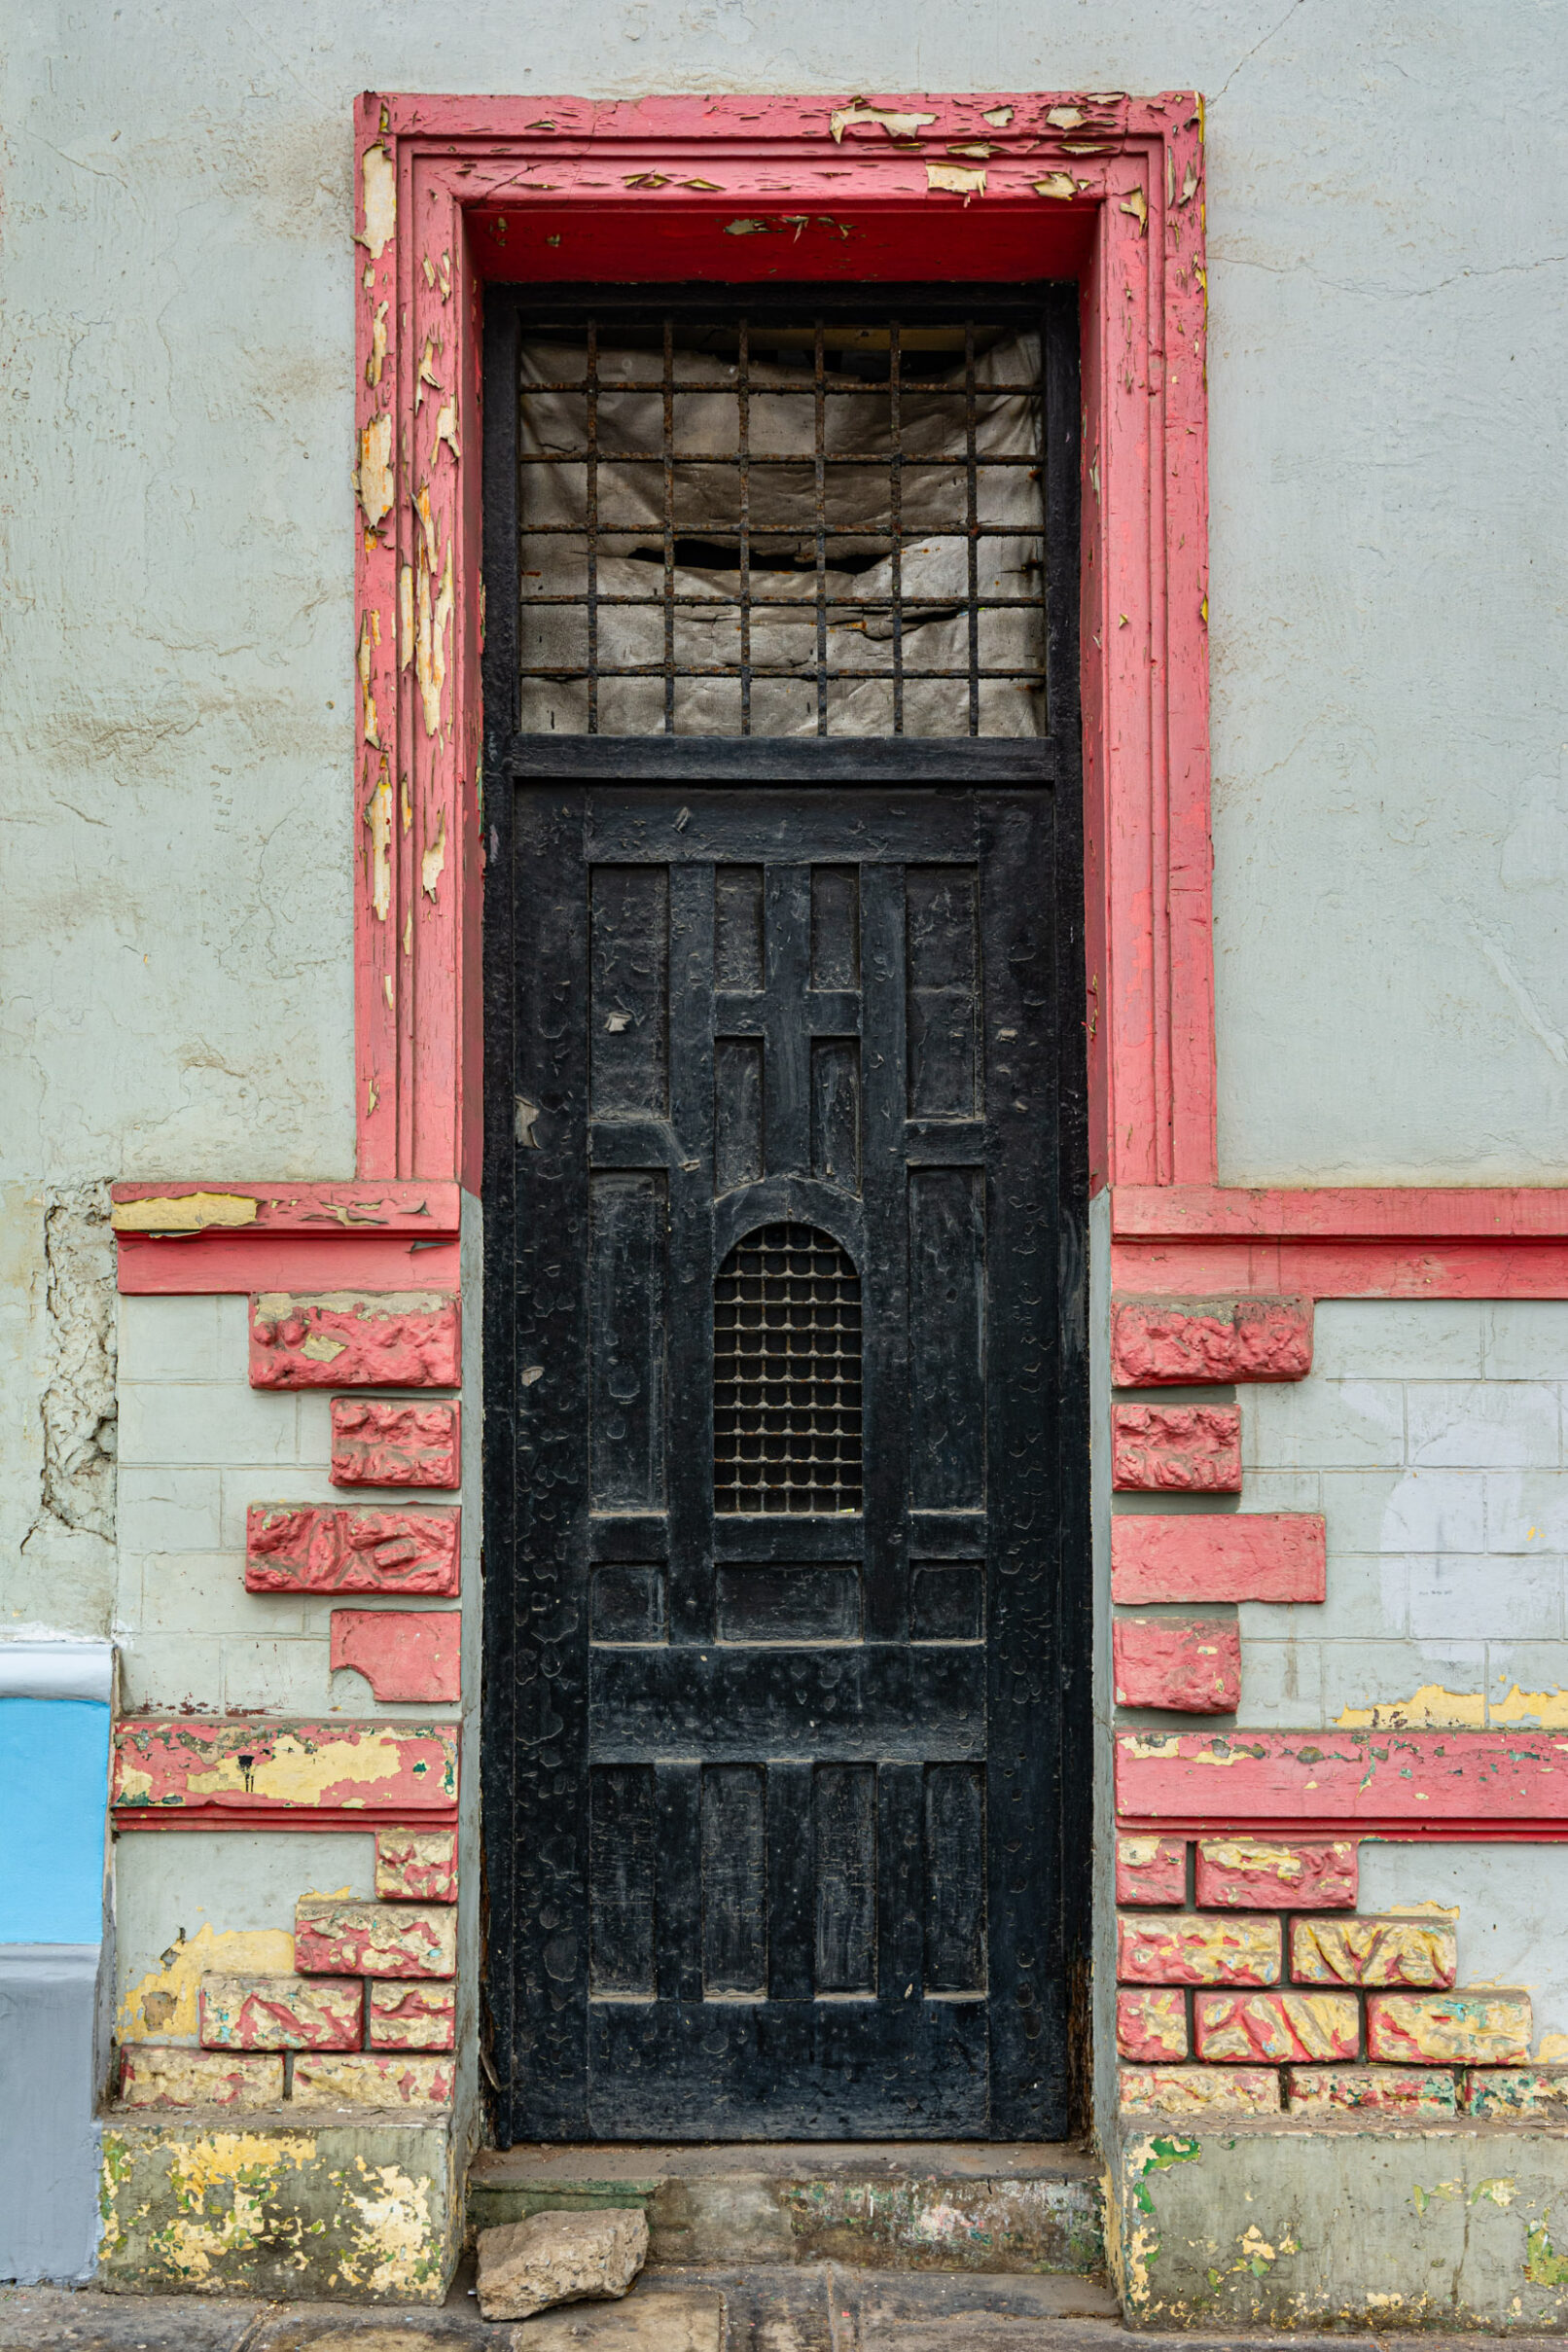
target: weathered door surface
<point>780,1714</point>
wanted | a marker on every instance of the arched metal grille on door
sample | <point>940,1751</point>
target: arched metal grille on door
<point>786,1375</point>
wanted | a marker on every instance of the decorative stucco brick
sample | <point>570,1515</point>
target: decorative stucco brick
<point>1391,2090</point>
<point>280,2012</point>
<point>354,1339</point>
<point>379,1443</point>
<point>374,1939</point>
<point>153,2074</point>
<point>1182,1947</point>
<point>1516,2093</point>
<point>373,2080</point>
<point>416,1865</point>
<point>1199,2090</point>
<point>1192,1664</point>
<point>1449,2029</point>
<point>1151,2026</point>
<point>412,2017</point>
<point>1179,1449</point>
<point>1150,1871</point>
<point>1253,2028</point>
<point>1155,1340</point>
<point>324,1548</point>
<point>403,1654</point>
<point>1269,1874</point>
<point>1373,1951</point>
<point>1240,1555</point>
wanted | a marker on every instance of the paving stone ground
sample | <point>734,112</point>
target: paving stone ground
<point>805,2307</point>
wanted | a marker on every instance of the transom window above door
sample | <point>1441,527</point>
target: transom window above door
<point>781,524</point>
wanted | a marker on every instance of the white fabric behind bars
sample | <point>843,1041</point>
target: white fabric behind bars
<point>706,493</point>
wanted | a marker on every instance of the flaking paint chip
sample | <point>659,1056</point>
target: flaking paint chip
<point>1058,184</point>
<point>998,117</point>
<point>896,126</point>
<point>956,179</point>
<point>379,183</point>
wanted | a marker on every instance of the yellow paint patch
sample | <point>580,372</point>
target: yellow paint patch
<point>189,1213</point>
<point>1065,118</point>
<point>998,117</point>
<point>1430,1708</point>
<point>379,183</point>
<point>367,698</point>
<point>374,480</point>
<point>1057,183</point>
<point>896,126</point>
<point>1137,1852</point>
<point>958,179</point>
<point>377,362</point>
<point>379,818</point>
<point>1137,205</point>
<point>446,429</point>
<point>434,860</point>
<point>163,2004</point>
<point>1547,1708</point>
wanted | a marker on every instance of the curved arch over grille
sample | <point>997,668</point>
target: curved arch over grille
<point>786,1375</point>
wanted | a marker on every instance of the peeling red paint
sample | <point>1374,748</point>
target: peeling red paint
<point>281,2013</point>
<point>1150,1871</point>
<point>317,1548</point>
<point>1184,1947</point>
<point>368,1340</point>
<point>1242,1555</point>
<point>1254,1874</point>
<point>374,1939</point>
<point>403,1654</point>
<point>1440,1782</point>
<point>377,1443</point>
<point>416,1865</point>
<point>191,1773</point>
<point>1152,2026</point>
<point>1192,1664</point>
<point>1244,2028</point>
<point>1189,1448</point>
<point>1153,1341</point>
<point>400,2015</point>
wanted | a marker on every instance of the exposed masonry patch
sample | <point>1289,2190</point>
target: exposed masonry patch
<point>78,1406</point>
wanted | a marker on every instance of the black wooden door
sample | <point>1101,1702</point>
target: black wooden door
<point>776,1750</point>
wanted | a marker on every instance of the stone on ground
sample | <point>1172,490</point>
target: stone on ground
<point>677,2321</point>
<point>560,2257</point>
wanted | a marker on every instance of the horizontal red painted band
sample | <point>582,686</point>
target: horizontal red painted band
<point>1331,1268</point>
<point>1341,1212</point>
<point>230,1262</point>
<point>430,1209</point>
<point>278,1817</point>
<point>1292,1781</point>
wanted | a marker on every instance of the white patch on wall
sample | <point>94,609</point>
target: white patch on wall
<point>1512,1901</point>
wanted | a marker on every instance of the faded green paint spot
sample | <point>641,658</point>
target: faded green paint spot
<point>1162,2155</point>
<point>1543,2268</point>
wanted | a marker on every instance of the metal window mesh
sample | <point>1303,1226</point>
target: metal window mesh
<point>786,1375</point>
<point>818,528</point>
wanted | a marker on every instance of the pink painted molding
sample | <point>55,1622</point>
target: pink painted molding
<point>1408,1784</point>
<point>185,1239</point>
<point>1240,1555</point>
<point>1176,1448</point>
<point>1191,1665</point>
<point>403,1654</point>
<point>316,1548</point>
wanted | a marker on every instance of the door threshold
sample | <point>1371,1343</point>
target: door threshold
<point>644,2161</point>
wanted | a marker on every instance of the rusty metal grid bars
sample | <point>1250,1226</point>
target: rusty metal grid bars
<point>786,1375</point>
<point>724,566</point>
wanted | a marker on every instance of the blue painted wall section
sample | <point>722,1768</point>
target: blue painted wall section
<point>54,1789</point>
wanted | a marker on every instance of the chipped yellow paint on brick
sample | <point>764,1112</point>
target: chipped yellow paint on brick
<point>162,2005</point>
<point>379,183</point>
<point>1545,1709</point>
<point>1432,1708</point>
<point>1137,1852</point>
<point>189,1213</point>
<point>294,1770</point>
<point>1372,1951</point>
<point>392,2254</point>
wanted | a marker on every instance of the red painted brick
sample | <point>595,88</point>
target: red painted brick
<point>1182,1947</point>
<point>1199,2090</point>
<point>1487,2028</point>
<point>1186,1448</point>
<point>1152,2026</point>
<point>416,1865</point>
<point>1190,1663</point>
<point>1252,1339</point>
<point>1373,1951</point>
<point>354,1339</point>
<point>156,2075</point>
<point>1267,1875</point>
<point>280,2012</point>
<point>353,1774</point>
<point>1250,2029</point>
<point>406,1653</point>
<point>1240,1555</point>
<point>1391,2090</point>
<point>412,2017</point>
<point>1151,1869</point>
<point>374,1939</point>
<point>380,1443</point>
<point>312,1547</point>
<point>372,2080</point>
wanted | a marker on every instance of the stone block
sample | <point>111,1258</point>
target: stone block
<point>1250,2029</point>
<point>403,1654</point>
<point>380,1442</point>
<point>1449,2029</point>
<point>1501,2095</point>
<point>1150,1871</point>
<point>366,2080</point>
<point>1152,2026</point>
<point>1182,1948</point>
<point>223,1771</point>
<point>560,2257</point>
<point>1199,2090</point>
<point>1242,1555</point>
<point>1192,1664</point>
<point>1373,1951</point>
<point>317,1548</point>
<point>416,1865</point>
<point>1379,2090</point>
<point>156,2075</point>
<point>400,2015</point>
<point>355,1340</point>
<point>1179,1448</point>
<point>281,2013</point>
<point>374,1939</point>
<point>1157,1341</point>
<point>1269,1874</point>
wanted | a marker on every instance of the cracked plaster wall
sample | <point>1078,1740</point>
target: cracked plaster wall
<point>1390,802</point>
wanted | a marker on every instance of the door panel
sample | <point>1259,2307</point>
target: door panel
<point>781,1734</point>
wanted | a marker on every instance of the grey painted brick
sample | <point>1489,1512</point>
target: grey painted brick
<point>1282,1686</point>
<point>162,1671</point>
<point>1399,1338</point>
<point>217,1423</point>
<point>1484,1425</point>
<point>1367,1600</point>
<point>162,1509</point>
<point>204,1592</point>
<point>1403,1510</point>
<point>1363,1674</point>
<point>1523,1671</point>
<point>1527,1339</point>
<point>1459,1598</point>
<point>1325,1424</point>
<point>282,1676</point>
<point>1526,1511</point>
<point>169,1340</point>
